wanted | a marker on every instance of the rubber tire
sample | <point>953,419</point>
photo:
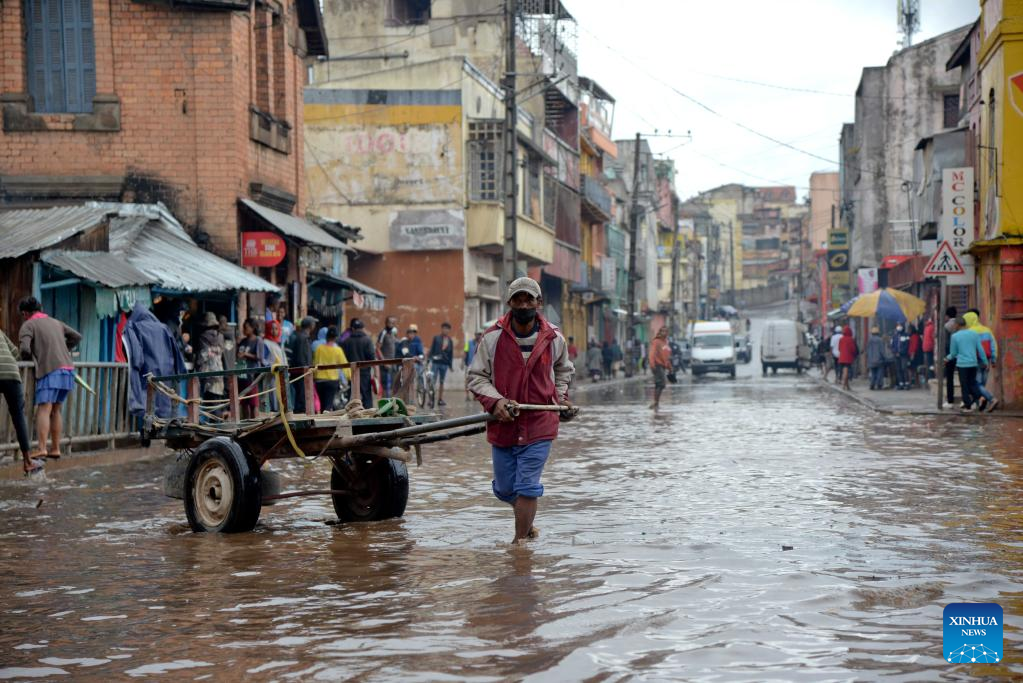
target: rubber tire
<point>764,367</point>
<point>732,373</point>
<point>245,480</point>
<point>799,369</point>
<point>697,372</point>
<point>387,481</point>
<point>774,370</point>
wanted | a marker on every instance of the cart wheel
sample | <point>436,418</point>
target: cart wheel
<point>379,489</point>
<point>222,488</point>
<point>433,395</point>
<point>421,394</point>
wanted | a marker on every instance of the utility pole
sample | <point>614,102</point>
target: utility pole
<point>731,258</point>
<point>799,277</point>
<point>676,253</point>
<point>630,333</point>
<point>511,194</point>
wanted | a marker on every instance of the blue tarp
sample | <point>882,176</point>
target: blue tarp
<point>151,350</point>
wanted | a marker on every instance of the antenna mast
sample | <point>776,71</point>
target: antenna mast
<point>908,14</point>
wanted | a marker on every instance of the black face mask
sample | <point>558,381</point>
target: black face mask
<point>524,316</point>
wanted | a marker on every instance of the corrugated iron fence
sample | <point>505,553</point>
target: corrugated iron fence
<point>88,418</point>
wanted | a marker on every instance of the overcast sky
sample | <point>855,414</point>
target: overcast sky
<point>695,47</point>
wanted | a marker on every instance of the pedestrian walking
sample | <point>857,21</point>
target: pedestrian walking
<point>48,342</point>
<point>328,381</point>
<point>847,352</point>
<point>875,359</point>
<point>522,359</point>
<point>900,349</point>
<point>358,348</point>
<point>969,354</point>
<point>471,346</point>
<point>386,346</point>
<point>950,365</point>
<point>617,357</point>
<point>987,339</point>
<point>151,350</point>
<point>210,357</point>
<point>442,353</point>
<point>14,394</point>
<point>823,355</point>
<point>248,356</point>
<point>573,352</point>
<point>927,344</point>
<point>594,360</point>
<point>607,357</point>
<point>660,364</point>
<point>916,355</point>
<point>300,358</point>
<point>836,338</point>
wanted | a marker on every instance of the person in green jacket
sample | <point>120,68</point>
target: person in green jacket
<point>14,395</point>
<point>969,354</point>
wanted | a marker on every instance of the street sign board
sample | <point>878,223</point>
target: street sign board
<point>265,249</point>
<point>956,224</point>
<point>944,262</point>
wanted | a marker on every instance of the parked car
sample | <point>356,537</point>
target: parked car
<point>713,348</point>
<point>783,345</point>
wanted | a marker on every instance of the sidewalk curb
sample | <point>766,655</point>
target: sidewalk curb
<point>586,387</point>
<point>867,403</point>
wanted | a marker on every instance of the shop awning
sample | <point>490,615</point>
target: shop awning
<point>321,278</point>
<point>295,227</point>
<point>894,260</point>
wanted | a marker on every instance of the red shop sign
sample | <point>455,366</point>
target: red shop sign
<point>262,249</point>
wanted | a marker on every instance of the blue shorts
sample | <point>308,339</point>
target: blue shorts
<point>54,387</point>
<point>517,470</point>
<point>442,371</point>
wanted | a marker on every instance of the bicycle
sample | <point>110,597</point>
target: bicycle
<point>426,386</point>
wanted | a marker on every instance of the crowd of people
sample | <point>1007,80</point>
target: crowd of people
<point>905,358</point>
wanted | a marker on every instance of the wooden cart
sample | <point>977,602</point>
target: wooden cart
<point>220,471</point>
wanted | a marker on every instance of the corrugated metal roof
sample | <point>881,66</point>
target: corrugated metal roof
<point>25,230</point>
<point>100,267</point>
<point>175,262</point>
<point>345,282</point>
<point>296,227</point>
<point>145,239</point>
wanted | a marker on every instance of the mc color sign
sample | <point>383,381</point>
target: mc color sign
<point>957,218</point>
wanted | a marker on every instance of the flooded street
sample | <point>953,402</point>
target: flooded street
<point>662,556</point>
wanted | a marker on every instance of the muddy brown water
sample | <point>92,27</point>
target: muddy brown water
<point>660,557</point>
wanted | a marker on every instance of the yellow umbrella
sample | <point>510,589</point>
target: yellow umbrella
<point>888,303</point>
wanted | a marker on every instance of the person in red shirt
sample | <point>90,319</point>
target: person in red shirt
<point>915,354</point>
<point>847,352</point>
<point>660,364</point>
<point>927,343</point>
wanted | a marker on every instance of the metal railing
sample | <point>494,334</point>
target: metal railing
<point>88,417</point>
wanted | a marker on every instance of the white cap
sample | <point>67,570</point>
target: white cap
<point>523,284</point>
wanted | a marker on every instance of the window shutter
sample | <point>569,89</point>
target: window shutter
<point>55,99</point>
<point>72,55</point>
<point>36,52</point>
<point>88,62</point>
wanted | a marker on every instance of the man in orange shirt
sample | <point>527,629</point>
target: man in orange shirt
<point>660,364</point>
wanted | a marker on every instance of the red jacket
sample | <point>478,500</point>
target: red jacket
<point>928,341</point>
<point>498,371</point>
<point>847,348</point>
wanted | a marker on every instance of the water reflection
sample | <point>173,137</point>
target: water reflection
<point>660,557</point>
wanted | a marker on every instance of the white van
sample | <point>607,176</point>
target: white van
<point>783,345</point>
<point>713,348</point>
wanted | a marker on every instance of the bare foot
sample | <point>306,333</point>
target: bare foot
<point>533,533</point>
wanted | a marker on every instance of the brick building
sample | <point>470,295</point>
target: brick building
<point>195,104</point>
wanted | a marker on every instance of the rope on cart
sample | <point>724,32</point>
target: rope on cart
<point>284,418</point>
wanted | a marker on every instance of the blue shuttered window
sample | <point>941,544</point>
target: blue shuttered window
<point>61,55</point>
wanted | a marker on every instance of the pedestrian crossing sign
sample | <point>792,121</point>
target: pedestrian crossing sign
<point>944,262</point>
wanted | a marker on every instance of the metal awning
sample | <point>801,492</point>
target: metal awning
<point>295,227</point>
<point>320,277</point>
<point>103,268</point>
<point>146,246</point>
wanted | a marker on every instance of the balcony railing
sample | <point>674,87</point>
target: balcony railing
<point>595,194</point>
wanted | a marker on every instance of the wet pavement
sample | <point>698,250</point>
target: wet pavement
<point>661,556</point>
